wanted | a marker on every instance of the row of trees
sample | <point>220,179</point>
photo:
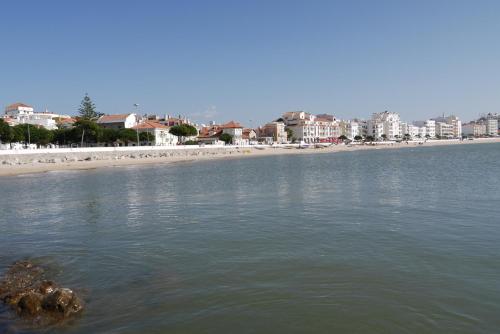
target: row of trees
<point>84,131</point>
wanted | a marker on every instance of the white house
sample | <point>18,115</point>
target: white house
<point>17,109</point>
<point>118,121</point>
<point>162,136</point>
<point>22,113</point>
<point>236,131</point>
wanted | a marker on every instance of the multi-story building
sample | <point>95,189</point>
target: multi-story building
<point>452,120</point>
<point>350,129</point>
<point>275,131</point>
<point>310,128</point>
<point>430,127</point>
<point>474,129</point>
<point>18,109</point>
<point>491,124</point>
<point>445,130</point>
<point>384,123</point>
<point>21,113</point>
<point>422,132</point>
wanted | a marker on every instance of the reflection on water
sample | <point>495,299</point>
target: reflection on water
<point>398,241</point>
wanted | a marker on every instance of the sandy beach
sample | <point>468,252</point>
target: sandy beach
<point>29,162</point>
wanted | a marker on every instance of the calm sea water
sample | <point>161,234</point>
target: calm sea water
<point>396,241</point>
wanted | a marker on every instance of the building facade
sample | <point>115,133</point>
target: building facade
<point>119,121</point>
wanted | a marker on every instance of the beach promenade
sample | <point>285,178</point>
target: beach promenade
<point>16,162</point>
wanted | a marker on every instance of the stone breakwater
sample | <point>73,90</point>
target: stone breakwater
<point>25,289</point>
<point>55,156</point>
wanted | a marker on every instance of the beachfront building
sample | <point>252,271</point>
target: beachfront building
<point>491,124</point>
<point>430,127</point>
<point>422,132</point>
<point>452,120</point>
<point>350,129</point>
<point>384,123</point>
<point>444,130</point>
<point>20,113</point>
<point>362,127</point>
<point>236,131</point>
<point>474,129</point>
<point>119,121</point>
<point>249,136</point>
<point>16,110</point>
<point>309,128</point>
<point>158,131</point>
<point>273,132</point>
<point>211,134</point>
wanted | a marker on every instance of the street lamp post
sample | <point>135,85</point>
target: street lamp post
<point>136,106</point>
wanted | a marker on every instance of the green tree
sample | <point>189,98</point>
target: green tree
<point>369,138</point>
<point>127,135</point>
<point>6,134</point>
<point>289,134</point>
<point>183,130</point>
<point>343,137</point>
<point>33,134</point>
<point>88,130</point>
<point>226,138</point>
<point>18,134</point>
<point>108,136</point>
<point>147,137</point>
<point>358,137</point>
<point>384,136</point>
<point>87,109</point>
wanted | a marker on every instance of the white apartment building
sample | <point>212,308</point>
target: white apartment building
<point>311,129</point>
<point>430,127</point>
<point>350,129</point>
<point>22,113</point>
<point>491,126</point>
<point>452,120</point>
<point>18,109</point>
<point>422,131</point>
<point>445,130</point>
<point>384,123</point>
<point>474,129</point>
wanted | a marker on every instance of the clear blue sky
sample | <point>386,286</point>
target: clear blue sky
<point>253,60</point>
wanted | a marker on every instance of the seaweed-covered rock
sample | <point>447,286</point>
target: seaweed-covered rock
<point>25,289</point>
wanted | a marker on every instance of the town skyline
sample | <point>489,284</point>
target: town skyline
<point>339,58</point>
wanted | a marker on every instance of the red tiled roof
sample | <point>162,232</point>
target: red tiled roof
<point>17,105</point>
<point>150,125</point>
<point>207,135</point>
<point>65,120</point>
<point>231,125</point>
<point>113,118</point>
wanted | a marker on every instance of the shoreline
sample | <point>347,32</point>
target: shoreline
<point>96,159</point>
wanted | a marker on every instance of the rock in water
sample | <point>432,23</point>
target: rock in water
<point>62,301</point>
<point>25,290</point>
<point>30,304</point>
